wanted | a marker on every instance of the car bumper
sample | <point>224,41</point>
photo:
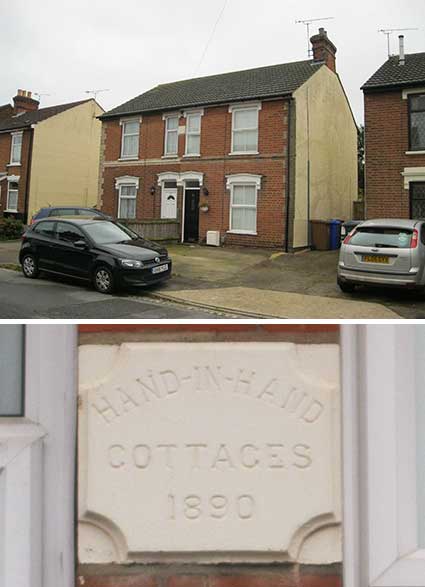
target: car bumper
<point>142,277</point>
<point>371,278</point>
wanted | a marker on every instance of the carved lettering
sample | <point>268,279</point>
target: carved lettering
<point>116,456</point>
<point>106,410</point>
<point>249,456</point>
<point>303,452</point>
<point>313,412</point>
<point>142,456</point>
<point>223,457</point>
<point>170,382</point>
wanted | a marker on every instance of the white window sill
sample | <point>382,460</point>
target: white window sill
<point>11,211</point>
<point>170,156</point>
<point>13,164</point>
<point>415,152</point>
<point>241,232</point>
<point>187,155</point>
<point>128,159</point>
<point>244,153</point>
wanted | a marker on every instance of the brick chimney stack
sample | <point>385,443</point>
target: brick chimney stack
<point>24,102</point>
<point>323,49</point>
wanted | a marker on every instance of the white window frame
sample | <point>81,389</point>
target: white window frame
<point>12,179</point>
<point>243,180</point>
<point>123,123</point>
<point>15,136</point>
<point>166,118</point>
<point>188,114</point>
<point>237,108</point>
<point>37,465</point>
<point>126,181</point>
<point>379,446</point>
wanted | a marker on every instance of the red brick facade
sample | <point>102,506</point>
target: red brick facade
<point>386,143</point>
<point>21,171</point>
<point>215,163</point>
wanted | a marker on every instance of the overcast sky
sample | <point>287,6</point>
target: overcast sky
<point>129,46</point>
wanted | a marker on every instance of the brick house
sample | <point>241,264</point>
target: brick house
<point>394,99</point>
<point>253,155</point>
<point>36,147</point>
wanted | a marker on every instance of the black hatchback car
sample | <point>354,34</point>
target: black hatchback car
<point>101,251</point>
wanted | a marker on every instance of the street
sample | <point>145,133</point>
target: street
<point>54,298</point>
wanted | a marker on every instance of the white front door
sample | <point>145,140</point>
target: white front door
<point>37,455</point>
<point>169,203</point>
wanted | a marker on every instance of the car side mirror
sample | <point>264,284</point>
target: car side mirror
<point>80,244</point>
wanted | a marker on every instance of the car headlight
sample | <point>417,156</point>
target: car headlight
<point>131,263</point>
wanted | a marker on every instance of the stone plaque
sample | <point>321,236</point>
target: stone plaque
<point>223,450</point>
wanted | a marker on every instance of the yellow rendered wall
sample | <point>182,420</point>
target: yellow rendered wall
<point>65,159</point>
<point>326,133</point>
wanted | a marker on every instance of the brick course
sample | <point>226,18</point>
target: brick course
<point>215,163</point>
<point>386,143</point>
<point>276,575</point>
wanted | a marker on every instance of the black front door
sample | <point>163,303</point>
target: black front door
<point>417,200</point>
<point>191,216</point>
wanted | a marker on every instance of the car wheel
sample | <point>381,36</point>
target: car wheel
<point>29,267</point>
<point>346,287</point>
<point>103,280</point>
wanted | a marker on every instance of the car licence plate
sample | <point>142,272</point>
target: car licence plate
<point>375,259</point>
<point>160,268</point>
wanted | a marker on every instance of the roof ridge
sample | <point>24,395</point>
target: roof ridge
<point>303,61</point>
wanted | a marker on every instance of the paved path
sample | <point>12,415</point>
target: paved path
<point>275,304</point>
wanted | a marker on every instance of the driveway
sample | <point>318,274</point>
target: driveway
<point>264,283</point>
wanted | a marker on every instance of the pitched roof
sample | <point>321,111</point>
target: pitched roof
<point>5,111</point>
<point>261,82</point>
<point>28,118</point>
<point>391,74</point>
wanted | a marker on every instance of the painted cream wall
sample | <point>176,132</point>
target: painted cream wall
<point>325,130</point>
<point>65,160</point>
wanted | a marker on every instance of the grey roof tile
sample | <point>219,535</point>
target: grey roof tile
<point>261,82</point>
<point>26,119</point>
<point>391,74</point>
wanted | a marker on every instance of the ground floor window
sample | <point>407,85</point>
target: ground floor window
<point>417,200</point>
<point>243,202</point>
<point>127,201</point>
<point>12,197</point>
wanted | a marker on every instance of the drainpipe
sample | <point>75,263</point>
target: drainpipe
<point>308,174</point>
<point>29,164</point>
<point>288,171</point>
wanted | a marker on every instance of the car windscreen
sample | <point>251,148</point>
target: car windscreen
<point>395,238</point>
<point>107,232</point>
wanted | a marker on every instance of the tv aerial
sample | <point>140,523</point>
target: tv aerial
<point>307,22</point>
<point>389,32</point>
<point>94,93</point>
<point>40,95</point>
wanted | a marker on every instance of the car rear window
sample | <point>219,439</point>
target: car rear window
<point>396,238</point>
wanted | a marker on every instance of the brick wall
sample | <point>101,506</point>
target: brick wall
<point>215,163</point>
<point>21,170</point>
<point>212,575</point>
<point>386,142</point>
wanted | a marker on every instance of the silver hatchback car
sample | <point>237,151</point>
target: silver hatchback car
<point>383,252</point>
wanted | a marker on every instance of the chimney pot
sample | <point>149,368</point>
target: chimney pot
<point>324,51</point>
<point>401,59</point>
<point>24,102</point>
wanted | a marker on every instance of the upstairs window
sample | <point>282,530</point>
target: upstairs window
<point>193,133</point>
<point>171,135</point>
<point>245,129</point>
<point>15,152</point>
<point>417,122</point>
<point>130,139</point>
